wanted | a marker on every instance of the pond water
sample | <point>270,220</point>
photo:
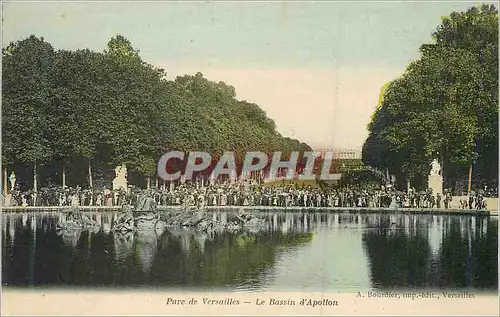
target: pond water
<point>295,252</point>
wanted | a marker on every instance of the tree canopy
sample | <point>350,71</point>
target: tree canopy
<point>108,108</point>
<point>445,105</point>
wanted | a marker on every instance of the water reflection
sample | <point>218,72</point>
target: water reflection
<point>306,251</point>
<point>146,247</point>
<point>433,251</point>
<point>124,245</point>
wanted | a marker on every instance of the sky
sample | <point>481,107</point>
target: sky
<point>316,68</point>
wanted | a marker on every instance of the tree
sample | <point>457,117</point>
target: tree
<point>82,108</point>
<point>445,105</point>
<point>77,107</point>
<point>26,91</point>
<point>135,101</point>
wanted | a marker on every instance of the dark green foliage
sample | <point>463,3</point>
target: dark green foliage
<point>71,108</point>
<point>445,105</point>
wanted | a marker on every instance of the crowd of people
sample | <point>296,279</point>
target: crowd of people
<point>245,194</point>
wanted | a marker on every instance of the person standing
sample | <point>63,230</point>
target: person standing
<point>471,201</point>
<point>479,202</point>
<point>107,197</point>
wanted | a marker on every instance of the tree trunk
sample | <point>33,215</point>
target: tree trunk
<point>64,176</point>
<point>5,186</point>
<point>445,168</point>
<point>35,183</point>
<point>148,182</point>
<point>35,178</point>
<point>32,252</point>
<point>90,175</point>
<point>157,183</point>
<point>469,187</point>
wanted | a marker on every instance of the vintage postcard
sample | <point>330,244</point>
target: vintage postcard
<point>249,158</point>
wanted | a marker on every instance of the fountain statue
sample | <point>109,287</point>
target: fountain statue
<point>142,216</point>
<point>145,203</point>
<point>145,213</point>
<point>74,219</point>
<point>120,180</point>
<point>12,180</point>
<point>435,168</point>
<point>436,178</point>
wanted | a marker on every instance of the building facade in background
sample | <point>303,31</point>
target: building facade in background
<point>343,154</point>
